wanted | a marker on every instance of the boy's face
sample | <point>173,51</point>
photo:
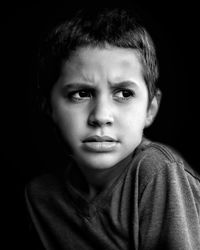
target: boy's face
<point>100,105</point>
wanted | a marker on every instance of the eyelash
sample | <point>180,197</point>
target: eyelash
<point>72,94</point>
<point>90,94</point>
<point>130,93</point>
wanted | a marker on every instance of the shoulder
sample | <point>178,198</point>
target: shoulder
<point>155,159</point>
<point>43,187</point>
<point>155,151</point>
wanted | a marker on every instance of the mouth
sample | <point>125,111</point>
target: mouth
<point>100,144</point>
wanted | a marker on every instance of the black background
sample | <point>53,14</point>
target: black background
<point>25,144</point>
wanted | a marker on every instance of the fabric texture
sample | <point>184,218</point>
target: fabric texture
<point>152,203</point>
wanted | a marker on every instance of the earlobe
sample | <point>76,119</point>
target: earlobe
<point>153,108</point>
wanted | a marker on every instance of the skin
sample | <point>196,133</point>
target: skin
<point>101,91</point>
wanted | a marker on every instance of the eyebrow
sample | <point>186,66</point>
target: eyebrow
<point>70,87</point>
<point>123,84</point>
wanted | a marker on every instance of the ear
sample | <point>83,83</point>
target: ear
<point>153,108</point>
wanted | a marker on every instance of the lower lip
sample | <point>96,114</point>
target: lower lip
<point>100,146</point>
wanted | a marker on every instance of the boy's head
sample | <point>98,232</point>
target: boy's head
<point>99,79</point>
<point>115,27</point>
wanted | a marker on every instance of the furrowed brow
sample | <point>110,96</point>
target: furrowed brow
<point>72,86</point>
<point>123,84</point>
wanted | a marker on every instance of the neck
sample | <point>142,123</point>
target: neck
<point>93,181</point>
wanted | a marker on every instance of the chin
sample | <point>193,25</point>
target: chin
<point>98,162</point>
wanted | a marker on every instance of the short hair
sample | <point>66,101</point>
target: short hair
<point>116,27</point>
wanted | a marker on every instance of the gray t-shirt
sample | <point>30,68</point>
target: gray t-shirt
<point>152,203</point>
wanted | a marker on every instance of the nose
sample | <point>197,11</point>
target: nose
<point>101,113</point>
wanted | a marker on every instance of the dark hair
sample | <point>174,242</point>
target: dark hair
<point>116,27</point>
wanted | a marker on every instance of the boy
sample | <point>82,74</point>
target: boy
<point>118,190</point>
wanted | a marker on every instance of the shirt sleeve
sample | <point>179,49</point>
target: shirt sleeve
<point>32,238</point>
<point>169,209</point>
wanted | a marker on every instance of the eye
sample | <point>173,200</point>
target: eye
<point>80,95</point>
<point>124,94</point>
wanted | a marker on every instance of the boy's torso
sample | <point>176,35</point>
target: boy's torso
<point>64,219</point>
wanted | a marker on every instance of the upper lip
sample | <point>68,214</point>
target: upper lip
<point>96,138</point>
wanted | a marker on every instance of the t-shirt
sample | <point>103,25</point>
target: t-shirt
<point>153,203</point>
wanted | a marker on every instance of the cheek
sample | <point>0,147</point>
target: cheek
<point>134,118</point>
<point>69,121</point>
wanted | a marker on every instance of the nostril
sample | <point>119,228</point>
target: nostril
<point>100,119</point>
<point>99,122</point>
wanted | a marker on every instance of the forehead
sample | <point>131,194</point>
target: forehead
<point>110,62</point>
